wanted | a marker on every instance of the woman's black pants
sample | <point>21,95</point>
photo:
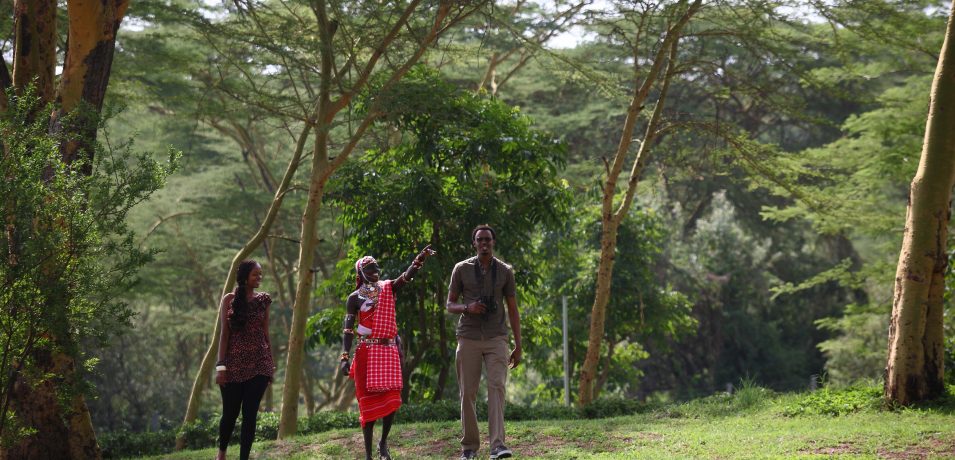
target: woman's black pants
<point>245,396</point>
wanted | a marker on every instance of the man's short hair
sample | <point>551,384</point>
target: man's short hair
<point>483,227</point>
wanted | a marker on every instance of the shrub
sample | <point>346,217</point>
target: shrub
<point>432,411</point>
<point>127,444</point>
<point>836,402</point>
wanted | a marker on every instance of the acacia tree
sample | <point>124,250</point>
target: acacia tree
<point>662,65</point>
<point>517,32</point>
<point>459,160</point>
<point>310,79</point>
<point>915,365</point>
<point>46,372</point>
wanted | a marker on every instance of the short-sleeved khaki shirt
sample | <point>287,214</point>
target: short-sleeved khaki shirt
<point>471,285</point>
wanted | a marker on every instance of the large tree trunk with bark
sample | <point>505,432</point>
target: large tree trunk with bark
<point>915,366</point>
<point>86,68</point>
<point>34,53</point>
<point>63,430</point>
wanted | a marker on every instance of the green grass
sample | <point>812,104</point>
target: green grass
<point>754,423</point>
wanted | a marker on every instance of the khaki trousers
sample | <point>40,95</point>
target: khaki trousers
<point>493,354</point>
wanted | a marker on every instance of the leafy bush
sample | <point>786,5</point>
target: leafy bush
<point>323,421</point>
<point>435,411</point>
<point>836,402</point>
<point>127,444</point>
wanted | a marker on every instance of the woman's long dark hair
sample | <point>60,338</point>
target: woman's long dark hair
<point>240,307</point>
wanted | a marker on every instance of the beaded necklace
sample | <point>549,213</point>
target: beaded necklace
<point>369,291</point>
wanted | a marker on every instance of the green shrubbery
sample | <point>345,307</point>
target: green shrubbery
<point>204,433</point>
<point>836,402</point>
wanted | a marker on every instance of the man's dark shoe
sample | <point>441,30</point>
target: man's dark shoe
<point>500,452</point>
<point>468,454</point>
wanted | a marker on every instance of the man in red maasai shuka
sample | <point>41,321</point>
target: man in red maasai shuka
<point>376,368</point>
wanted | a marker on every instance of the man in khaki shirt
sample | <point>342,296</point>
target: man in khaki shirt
<point>484,283</point>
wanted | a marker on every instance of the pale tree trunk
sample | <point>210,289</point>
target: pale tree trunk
<point>915,366</point>
<point>609,218</point>
<point>296,344</point>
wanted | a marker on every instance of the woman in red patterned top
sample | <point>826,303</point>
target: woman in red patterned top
<point>245,367</point>
<point>377,365</point>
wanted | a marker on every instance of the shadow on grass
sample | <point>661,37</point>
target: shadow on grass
<point>944,404</point>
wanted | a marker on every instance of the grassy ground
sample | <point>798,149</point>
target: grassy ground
<point>751,424</point>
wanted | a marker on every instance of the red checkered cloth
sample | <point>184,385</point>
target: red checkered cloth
<point>383,324</point>
<point>371,405</point>
<point>376,369</point>
<point>383,365</point>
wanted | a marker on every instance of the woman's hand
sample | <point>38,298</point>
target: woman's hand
<point>220,377</point>
<point>344,365</point>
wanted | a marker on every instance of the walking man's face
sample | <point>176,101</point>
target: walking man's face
<point>484,242</point>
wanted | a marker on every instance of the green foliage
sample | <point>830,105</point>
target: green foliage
<point>857,349</point>
<point>122,444</point>
<point>454,160</point>
<point>643,308</point>
<point>613,406</point>
<point>836,402</point>
<point>68,253</point>
<point>205,433</point>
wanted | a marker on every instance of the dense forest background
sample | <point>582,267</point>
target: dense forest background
<point>776,144</point>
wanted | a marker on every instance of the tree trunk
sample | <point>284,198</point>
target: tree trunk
<point>34,401</point>
<point>62,432</point>
<point>288,422</point>
<point>86,69</point>
<point>322,169</point>
<point>208,361</point>
<point>446,359</point>
<point>34,53</point>
<point>915,367</point>
<point>307,394</point>
<point>609,218</point>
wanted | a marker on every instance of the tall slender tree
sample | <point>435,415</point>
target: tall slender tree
<point>662,67</point>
